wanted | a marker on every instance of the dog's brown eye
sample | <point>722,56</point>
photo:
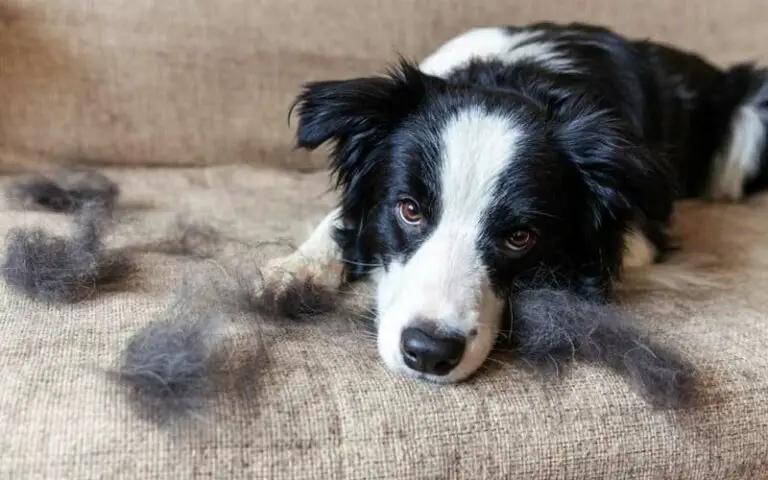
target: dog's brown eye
<point>520,240</point>
<point>409,212</point>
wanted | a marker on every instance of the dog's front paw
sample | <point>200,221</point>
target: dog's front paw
<point>282,272</point>
<point>296,287</point>
<point>639,251</point>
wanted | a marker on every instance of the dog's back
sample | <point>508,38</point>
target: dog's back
<point>710,124</point>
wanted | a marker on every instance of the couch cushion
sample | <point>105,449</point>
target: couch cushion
<point>177,83</point>
<point>327,408</point>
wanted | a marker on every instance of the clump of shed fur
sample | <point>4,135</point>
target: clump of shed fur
<point>555,325</point>
<point>66,191</point>
<point>208,343</point>
<point>55,268</point>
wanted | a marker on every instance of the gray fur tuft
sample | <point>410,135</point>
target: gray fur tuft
<point>554,325</point>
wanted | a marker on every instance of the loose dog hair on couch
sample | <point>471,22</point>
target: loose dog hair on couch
<point>209,343</point>
<point>55,268</point>
<point>176,365</point>
<point>64,191</point>
<point>554,325</point>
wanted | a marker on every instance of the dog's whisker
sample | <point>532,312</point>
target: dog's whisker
<point>506,350</point>
<point>361,264</point>
<point>499,362</point>
<point>363,295</point>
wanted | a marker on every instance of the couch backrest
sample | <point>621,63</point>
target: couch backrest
<point>191,82</point>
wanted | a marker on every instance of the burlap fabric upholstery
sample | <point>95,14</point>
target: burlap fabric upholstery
<point>145,86</point>
<point>193,83</point>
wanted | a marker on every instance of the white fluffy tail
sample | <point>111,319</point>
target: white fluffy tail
<point>741,157</point>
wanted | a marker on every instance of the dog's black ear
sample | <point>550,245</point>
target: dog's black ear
<point>625,184</point>
<point>619,171</point>
<point>356,115</point>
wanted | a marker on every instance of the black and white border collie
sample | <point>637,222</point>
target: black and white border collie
<point>516,157</point>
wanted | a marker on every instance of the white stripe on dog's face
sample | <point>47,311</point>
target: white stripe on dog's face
<point>446,281</point>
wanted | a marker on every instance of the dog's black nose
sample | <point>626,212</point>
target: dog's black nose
<point>426,350</point>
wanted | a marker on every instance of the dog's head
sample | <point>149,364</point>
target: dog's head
<point>461,195</point>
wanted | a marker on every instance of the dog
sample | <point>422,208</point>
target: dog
<point>511,157</point>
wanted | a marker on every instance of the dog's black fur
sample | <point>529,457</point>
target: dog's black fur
<point>611,145</point>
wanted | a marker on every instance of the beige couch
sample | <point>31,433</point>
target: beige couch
<point>185,104</point>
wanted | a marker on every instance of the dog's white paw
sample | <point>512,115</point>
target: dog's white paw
<point>729,189</point>
<point>639,252</point>
<point>281,272</point>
